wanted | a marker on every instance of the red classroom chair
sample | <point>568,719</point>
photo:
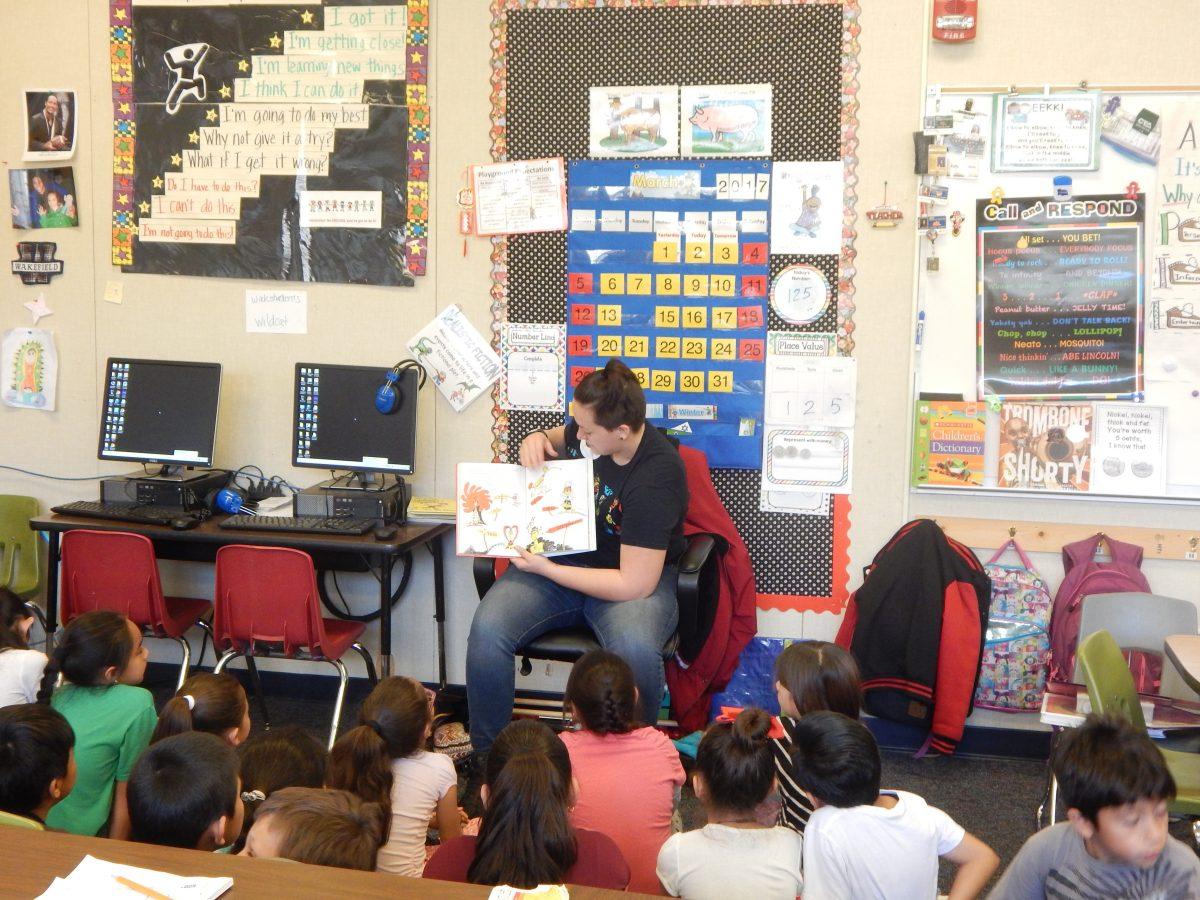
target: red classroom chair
<point>267,604</point>
<point>118,571</point>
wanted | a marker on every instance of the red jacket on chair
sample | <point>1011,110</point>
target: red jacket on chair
<point>736,619</point>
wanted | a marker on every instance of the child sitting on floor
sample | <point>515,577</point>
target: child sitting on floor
<point>321,827</point>
<point>863,843</point>
<point>20,668</point>
<point>384,761</point>
<point>286,756</point>
<point>809,676</point>
<point>37,763</point>
<point>526,837</point>
<point>216,704</point>
<point>1116,788</point>
<point>101,658</point>
<point>734,855</point>
<point>184,791</point>
<point>629,775</point>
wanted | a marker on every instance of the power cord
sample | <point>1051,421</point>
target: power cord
<point>344,612</point>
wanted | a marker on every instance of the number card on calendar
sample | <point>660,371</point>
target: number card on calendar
<point>667,268</point>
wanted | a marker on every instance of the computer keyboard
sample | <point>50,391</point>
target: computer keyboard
<point>307,524</point>
<point>143,514</point>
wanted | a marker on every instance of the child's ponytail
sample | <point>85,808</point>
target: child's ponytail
<point>602,693</point>
<point>359,762</point>
<point>92,643</point>
<point>206,702</point>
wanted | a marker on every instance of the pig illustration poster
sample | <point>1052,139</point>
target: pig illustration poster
<point>28,369</point>
<point>633,121</point>
<point>725,120</point>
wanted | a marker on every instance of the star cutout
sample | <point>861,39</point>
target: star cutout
<point>306,17</point>
<point>176,159</point>
<point>194,137</point>
<point>157,182</point>
<point>122,199</point>
<point>38,308</point>
<point>144,208</point>
<point>124,108</point>
<point>226,91</point>
<point>211,115</point>
<point>416,57</point>
<point>418,154</point>
<point>276,41</point>
<point>243,65</point>
<point>119,15</point>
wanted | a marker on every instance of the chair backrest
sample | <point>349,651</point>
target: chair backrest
<point>111,570</point>
<point>267,594</point>
<point>16,821</point>
<point>1136,621</point>
<point>1108,679</point>
<point>21,559</point>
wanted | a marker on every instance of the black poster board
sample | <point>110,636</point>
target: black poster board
<point>1060,296</point>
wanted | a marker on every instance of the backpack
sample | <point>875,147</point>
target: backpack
<point>1083,575</point>
<point>1016,650</point>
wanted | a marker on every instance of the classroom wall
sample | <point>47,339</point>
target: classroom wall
<point>203,319</point>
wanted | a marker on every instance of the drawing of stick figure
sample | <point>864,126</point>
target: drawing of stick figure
<point>184,62</point>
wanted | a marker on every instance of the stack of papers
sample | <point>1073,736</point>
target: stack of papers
<point>97,879</point>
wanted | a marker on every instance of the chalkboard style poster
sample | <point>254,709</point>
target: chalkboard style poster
<point>282,141</point>
<point>1060,297</point>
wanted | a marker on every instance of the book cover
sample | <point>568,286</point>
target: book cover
<point>948,442</point>
<point>1045,446</point>
<point>547,511</point>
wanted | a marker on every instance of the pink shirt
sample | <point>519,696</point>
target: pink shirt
<point>627,786</point>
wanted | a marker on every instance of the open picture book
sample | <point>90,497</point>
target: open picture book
<point>547,511</point>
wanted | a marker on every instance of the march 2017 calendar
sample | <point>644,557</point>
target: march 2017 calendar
<point>667,266</point>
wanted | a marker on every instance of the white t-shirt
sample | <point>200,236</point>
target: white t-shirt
<point>20,675</point>
<point>869,852</point>
<point>719,862</point>
<point>418,783</point>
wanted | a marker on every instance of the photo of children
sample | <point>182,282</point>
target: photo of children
<point>43,198</point>
<point>49,125</point>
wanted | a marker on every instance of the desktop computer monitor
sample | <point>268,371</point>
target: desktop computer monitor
<point>160,411</point>
<point>336,424</point>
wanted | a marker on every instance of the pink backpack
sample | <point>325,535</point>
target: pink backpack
<point>1083,575</point>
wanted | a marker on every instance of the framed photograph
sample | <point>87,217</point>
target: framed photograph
<point>50,118</point>
<point>43,198</point>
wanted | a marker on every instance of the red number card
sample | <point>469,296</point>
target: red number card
<point>754,285</point>
<point>579,345</point>
<point>750,317</point>
<point>750,350</point>
<point>578,373</point>
<point>583,314</point>
<point>579,283</point>
<point>754,254</point>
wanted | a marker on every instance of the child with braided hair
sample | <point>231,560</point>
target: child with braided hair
<point>629,774</point>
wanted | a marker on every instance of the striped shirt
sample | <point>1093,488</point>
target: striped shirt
<point>796,807</point>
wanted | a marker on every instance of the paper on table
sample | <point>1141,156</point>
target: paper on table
<point>96,879</point>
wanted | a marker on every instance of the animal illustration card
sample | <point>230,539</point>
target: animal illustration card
<point>725,120</point>
<point>633,121</point>
<point>1045,446</point>
<point>547,511</point>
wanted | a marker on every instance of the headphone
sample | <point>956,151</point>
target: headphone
<point>388,397</point>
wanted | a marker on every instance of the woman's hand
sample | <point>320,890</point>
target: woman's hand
<point>535,449</point>
<point>531,562</point>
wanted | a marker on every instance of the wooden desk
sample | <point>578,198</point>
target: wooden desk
<point>30,861</point>
<point>1184,651</point>
<point>348,553</point>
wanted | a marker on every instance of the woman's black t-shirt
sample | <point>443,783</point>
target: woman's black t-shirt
<point>641,503</point>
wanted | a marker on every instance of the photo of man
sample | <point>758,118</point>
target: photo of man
<point>50,128</point>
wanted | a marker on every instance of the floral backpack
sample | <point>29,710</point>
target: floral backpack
<point>1016,649</point>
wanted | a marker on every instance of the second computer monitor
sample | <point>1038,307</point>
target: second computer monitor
<point>336,424</point>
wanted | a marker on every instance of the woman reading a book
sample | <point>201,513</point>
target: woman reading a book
<point>624,590</point>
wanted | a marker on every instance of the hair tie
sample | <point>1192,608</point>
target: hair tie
<point>190,701</point>
<point>375,727</point>
<point>253,796</point>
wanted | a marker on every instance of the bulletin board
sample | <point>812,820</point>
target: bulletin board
<point>280,141</point>
<point>1069,326</point>
<point>546,56</point>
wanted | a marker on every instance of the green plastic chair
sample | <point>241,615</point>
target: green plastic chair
<point>1111,689</point>
<point>22,562</point>
<point>19,822</point>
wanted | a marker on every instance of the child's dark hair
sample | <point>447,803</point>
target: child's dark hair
<point>835,758</point>
<point>615,396</point>
<point>820,675</point>
<point>13,612</point>
<point>602,693</point>
<point>92,643</point>
<point>735,760</point>
<point>391,725</point>
<point>326,827</point>
<point>217,704</point>
<point>179,787</point>
<point>525,838</point>
<point>286,756</point>
<point>35,748</point>
<point>1107,762</point>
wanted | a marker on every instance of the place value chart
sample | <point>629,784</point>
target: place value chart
<point>1060,296</point>
<point>667,268</point>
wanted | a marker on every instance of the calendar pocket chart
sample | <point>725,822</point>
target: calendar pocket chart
<point>667,268</point>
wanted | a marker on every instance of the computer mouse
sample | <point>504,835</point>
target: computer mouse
<point>385,532</point>
<point>183,523</point>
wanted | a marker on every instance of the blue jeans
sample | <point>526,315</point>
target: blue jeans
<point>521,606</point>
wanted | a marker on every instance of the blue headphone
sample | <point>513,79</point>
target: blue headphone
<point>388,397</point>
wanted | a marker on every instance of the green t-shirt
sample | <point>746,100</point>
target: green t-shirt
<point>112,727</point>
